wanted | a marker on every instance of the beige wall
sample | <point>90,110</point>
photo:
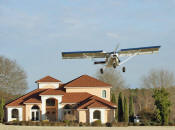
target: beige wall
<point>83,114</point>
<point>28,111</point>
<point>109,115</point>
<point>95,91</point>
<point>48,85</point>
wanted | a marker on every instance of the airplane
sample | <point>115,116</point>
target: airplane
<point>111,59</point>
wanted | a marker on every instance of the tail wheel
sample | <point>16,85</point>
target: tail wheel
<point>101,71</point>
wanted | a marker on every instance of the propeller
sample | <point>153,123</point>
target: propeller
<point>115,50</point>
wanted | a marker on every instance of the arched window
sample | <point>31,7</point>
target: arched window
<point>104,93</point>
<point>15,113</point>
<point>35,113</point>
<point>50,102</point>
<point>97,115</point>
<point>35,107</point>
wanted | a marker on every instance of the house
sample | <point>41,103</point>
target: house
<point>85,98</point>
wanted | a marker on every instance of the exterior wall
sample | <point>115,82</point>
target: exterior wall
<point>103,115</point>
<point>48,85</point>
<point>109,115</point>
<point>9,113</point>
<point>28,111</point>
<point>83,116</point>
<point>43,107</point>
<point>94,91</point>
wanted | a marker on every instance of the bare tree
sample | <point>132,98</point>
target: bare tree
<point>12,77</point>
<point>158,78</point>
<point>112,77</point>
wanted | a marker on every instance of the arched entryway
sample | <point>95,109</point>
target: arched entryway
<point>35,113</point>
<point>52,109</point>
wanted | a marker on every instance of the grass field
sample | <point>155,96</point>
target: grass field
<point>10,127</point>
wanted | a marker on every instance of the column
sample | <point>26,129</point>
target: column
<point>43,107</point>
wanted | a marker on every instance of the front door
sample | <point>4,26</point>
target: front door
<point>51,114</point>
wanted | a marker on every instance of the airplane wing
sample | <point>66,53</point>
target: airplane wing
<point>83,54</point>
<point>138,51</point>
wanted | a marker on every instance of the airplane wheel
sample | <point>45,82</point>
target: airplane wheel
<point>101,71</point>
<point>124,69</point>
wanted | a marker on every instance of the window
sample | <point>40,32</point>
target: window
<point>15,113</point>
<point>104,93</point>
<point>50,102</point>
<point>97,115</point>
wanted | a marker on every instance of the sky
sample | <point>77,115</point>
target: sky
<point>34,33</point>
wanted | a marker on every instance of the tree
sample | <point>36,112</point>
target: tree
<point>163,104</point>
<point>126,118</point>
<point>2,110</point>
<point>12,77</point>
<point>120,107</point>
<point>112,77</point>
<point>113,100</point>
<point>158,78</point>
<point>131,108</point>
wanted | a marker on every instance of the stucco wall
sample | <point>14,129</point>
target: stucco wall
<point>95,91</point>
<point>110,114</point>
<point>28,111</point>
<point>48,85</point>
<point>82,116</point>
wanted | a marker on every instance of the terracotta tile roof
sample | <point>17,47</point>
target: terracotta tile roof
<point>75,97</point>
<point>33,95</point>
<point>53,92</point>
<point>33,100</point>
<point>48,79</point>
<point>86,81</point>
<point>96,102</point>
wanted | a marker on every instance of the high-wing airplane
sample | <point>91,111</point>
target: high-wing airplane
<point>111,59</point>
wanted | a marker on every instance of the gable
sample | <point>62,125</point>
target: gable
<point>86,81</point>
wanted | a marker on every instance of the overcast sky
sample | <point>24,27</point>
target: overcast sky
<point>35,32</point>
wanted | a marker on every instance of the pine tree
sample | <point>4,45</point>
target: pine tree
<point>113,100</point>
<point>131,108</point>
<point>120,107</point>
<point>163,104</point>
<point>126,118</point>
<point>2,110</point>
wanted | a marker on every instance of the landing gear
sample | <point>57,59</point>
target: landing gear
<point>124,69</point>
<point>101,70</point>
<point>114,65</point>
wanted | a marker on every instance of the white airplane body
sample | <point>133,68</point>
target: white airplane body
<point>111,59</point>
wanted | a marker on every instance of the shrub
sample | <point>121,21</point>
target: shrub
<point>81,124</point>
<point>108,124</point>
<point>67,122</point>
<point>96,123</point>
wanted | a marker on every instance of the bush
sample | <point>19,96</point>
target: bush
<point>108,124</point>
<point>96,123</point>
<point>119,124</point>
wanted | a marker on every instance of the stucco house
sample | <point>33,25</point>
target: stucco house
<point>85,98</point>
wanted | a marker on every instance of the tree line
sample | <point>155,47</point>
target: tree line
<point>154,101</point>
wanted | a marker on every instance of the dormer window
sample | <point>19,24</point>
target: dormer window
<point>103,93</point>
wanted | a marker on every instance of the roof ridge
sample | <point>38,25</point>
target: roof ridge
<point>86,81</point>
<point>47,78</point>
